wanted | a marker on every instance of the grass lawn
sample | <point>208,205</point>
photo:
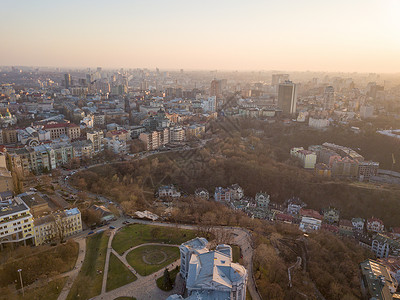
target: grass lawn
<point>38,262</point>
<point>172,274</point>
<point>50,291</point>
<point>235,253</point>
<point>89,280</point>
<point>118,274</point>
<point>136,234</point>
<point>158,256</point>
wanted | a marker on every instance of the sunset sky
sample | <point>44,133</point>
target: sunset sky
<point>341,35</point>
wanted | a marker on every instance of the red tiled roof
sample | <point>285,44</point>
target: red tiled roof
<point>310,213</point>
<point>344,222</point>
<point>56,125</point>
<point>284,217</point>
<point>371,220</point>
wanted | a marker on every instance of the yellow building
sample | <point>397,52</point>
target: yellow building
<point>57,226</point>
<point>16,222</point>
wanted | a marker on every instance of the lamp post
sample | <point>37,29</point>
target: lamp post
<point>22,285</point>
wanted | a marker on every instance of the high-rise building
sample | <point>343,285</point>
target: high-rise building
<point>279,78</point>
<point>216,88</point>
<point>287,97</point>
<point>67,80</point>
<point>329,97</point>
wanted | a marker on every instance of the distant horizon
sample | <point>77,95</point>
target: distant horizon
<point>197,70</point>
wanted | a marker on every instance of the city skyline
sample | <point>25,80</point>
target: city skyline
<point>349,37</point>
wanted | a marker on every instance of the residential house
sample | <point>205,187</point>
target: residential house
<point>375,225</point>
<point>358,223</point>
<point>237,192</point>
<point>331,215</point>
<point>202,193</point>
<point>262,200</point>
<point>346,227</point>
<point>168,191</point>
<point>222,195</point>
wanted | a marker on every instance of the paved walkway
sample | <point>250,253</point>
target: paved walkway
<point>74,273</point>
<point>145,287</point>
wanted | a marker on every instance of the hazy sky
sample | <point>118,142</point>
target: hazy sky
<point>340,35</point>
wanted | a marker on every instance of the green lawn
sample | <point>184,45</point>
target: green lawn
<point>50,291</point>
<point>136,234</point>
<point>235,253</point>
<point>89,280</point>
<point>118,274</point>
<point>160,281</point>
<point>153,254</point>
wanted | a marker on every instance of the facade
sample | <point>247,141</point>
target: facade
<point>57,226</point>
<point>375,225</point>
<point>96,137</point>
<point>177,134</point>
<point>222,195</point>
<point>211,274</point>
<point>358,223</point>
<point>307,158</point>
<point>202,193</point>
<point>237,192</point>
<point>287,97</point>
<point>383,246</point>
<point>114,145</point>
<point>331,215</point>
<point>262,199</point>
<point>168,191</point>
<point>57,130</point>
<point>83,149</point>
<point>16,222</point>
<point>318,123</point>
<point>6,180</point>
<point>329,97</point>
<point>310,224</point>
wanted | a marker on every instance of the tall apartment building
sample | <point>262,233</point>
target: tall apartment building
<point>329,97</point>
<point>97,140</point>
<point>155,139</point>
<point>287,97</point>
<point>16,222</point>
<point>177,134</point>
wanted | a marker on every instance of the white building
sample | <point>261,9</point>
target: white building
<point>168,191</point>
<point>97,138</point>
<point>237,192</point>
<point>116,146</point>
<point>211,274</point>
<point>318,123</point>
<point>307,158</point>
<point>16,222</point>
<point>358,223</point>
<point>375,225</point>
<point>310,224</point>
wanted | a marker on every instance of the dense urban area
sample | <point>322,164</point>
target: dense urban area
<point>178,184</point>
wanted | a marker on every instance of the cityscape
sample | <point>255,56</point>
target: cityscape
<point>142,157</point>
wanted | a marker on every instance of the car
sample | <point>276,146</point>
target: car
<point>90,232</point>
<point>112,227</point>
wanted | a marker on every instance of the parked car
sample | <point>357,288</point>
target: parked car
<point>90,232</point>
<point>112,227</point>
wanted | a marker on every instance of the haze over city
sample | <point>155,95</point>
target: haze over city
<point>345,36</point>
